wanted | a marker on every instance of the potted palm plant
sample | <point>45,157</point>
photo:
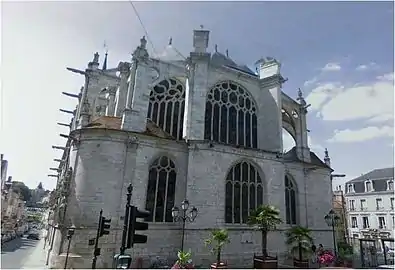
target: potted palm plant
<point>345,255</point>
<point>184,260</point>
<point>300,240</point>
<point>265,218</point>
<point>218,238</point>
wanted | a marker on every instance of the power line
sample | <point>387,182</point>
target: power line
<point>142,25</point>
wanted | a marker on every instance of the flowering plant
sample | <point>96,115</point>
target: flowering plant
<point>326,257</point>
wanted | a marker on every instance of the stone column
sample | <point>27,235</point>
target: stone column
<point>110,110</point>
<point>124,69</point>
<point>195,99</point>
<point>135,118</point>
<point>270,109</point>
<point>302,144</point>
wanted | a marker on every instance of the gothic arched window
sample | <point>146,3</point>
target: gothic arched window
<point>231,116</point>
<point>290,201</point>
<point>244,192</point>
<point>166,106</point>
<point>161,190</point>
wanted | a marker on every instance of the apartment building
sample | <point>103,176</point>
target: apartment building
<point>370,205</point>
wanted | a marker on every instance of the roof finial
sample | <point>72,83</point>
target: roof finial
<point>327,159</point>
<point>216,48</point>
<point>105,57</point>
<point>105,62</point>
<point>201,26</point>
<point>96,58</point>
<point>227,53</point>
<point>300,98</point>
<point>143,42</point>
<point>170,40</point>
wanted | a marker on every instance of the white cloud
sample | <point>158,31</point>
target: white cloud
<point>369,66</point>
<point>288,141</point>
<point>315,147</point>
<point>364,134</point>
<point>322,93</point>
<point>386,77</point>
<point>358,102</point>
<point>310,82</point>
<point>331,67</point>
<point>382,118</point>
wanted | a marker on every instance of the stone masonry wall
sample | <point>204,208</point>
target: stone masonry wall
<point>107,161</point>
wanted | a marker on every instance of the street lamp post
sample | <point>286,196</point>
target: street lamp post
<point>190,216</point>
<point>333,220</point>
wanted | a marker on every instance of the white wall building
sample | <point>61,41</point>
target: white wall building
<point>370,204</point>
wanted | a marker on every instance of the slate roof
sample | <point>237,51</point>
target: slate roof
<point>384,173</point>
<point>378,177</point>
<point>219,59</point>
<point>291,155</point>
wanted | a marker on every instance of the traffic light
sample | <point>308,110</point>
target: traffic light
<point>134,225</point>
<point>104,226</point>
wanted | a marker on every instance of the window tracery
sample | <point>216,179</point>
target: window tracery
<point>290,201</point>
<point>161,190</point>
<point>244,192</point>
<point>166,106</point>
<point>230,116</point>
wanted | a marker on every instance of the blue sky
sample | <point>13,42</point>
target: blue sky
<point>340,54</point>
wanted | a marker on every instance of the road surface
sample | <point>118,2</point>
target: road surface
<point>15,252</point>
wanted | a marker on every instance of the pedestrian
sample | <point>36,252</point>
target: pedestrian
<point>314,255</point>
<point>320,250</point>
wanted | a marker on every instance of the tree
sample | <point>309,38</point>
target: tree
<point>265,218</point>
<point>22,189</point>
<point>300,240</point>
<point>219,237</point>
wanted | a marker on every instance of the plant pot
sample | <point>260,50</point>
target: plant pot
<point>221,265</point>
<point>301,263</point>
<point>260,262</point>
<point>187,266</point>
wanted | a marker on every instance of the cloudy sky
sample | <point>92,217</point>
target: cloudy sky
<point>340,54</point>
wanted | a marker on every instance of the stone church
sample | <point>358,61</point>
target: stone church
<point>201,128</point>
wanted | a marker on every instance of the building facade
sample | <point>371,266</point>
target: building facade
<point>201,128</point>
<point>370,205</point>
<point>340,206</point>
<point>13,210</point>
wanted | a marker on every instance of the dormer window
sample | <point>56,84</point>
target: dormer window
<point>368,186</point>
<point>350,188</point>
<point>390,185</point>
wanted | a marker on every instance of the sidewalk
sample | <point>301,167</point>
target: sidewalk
<point>37,259</point>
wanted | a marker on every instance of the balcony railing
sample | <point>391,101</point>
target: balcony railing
<point>364,208</point>
<point>366,226</point>
<point>379,208</point>
<point>351,209</point>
